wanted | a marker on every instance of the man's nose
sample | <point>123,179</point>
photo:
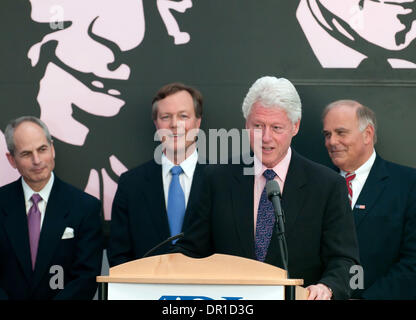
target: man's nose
<point>173,122</point>
<point>331,140</point>
<point>35,158</point>
<point>267,134</point>
<point>179,125</point>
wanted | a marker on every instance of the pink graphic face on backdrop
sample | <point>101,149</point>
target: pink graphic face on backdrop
<point>96,29</point>
<point>340,31</point>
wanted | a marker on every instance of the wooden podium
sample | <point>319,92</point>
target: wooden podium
<point>177,277</point>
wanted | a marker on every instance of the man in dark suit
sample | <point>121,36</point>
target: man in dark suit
<point>151,201</point>
<point>235,217</point>
<point>50,232</point>
<point>383,199</point>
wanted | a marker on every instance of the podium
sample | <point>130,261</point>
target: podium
<point>178,277</point>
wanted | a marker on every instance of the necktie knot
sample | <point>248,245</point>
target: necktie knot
<point>269,174</point>
<point>176,170</point>
<point>36,198</point>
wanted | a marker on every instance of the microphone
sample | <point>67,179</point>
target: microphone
<point>175,237</point>
<point>273,194</point>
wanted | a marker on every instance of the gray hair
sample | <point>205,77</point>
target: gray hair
<point>274,92</point>
<point>365,115</point>
<point>9,132</point>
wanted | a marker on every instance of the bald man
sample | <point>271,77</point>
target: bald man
<point>383,198</point>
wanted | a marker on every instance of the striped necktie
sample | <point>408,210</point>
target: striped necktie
<point>349,177</point>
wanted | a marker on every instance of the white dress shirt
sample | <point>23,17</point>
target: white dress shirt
<point>361,175</point>
<point>185,179</point>
<point>44,193</point>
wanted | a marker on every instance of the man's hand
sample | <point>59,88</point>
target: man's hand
<point>319,292</point>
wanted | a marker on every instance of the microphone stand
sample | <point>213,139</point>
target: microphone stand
<point>279,225</point>
<point>280,232</point>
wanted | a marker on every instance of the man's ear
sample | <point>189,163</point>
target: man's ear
<point>296,128</point>
<point>11,160</point>
<point>369,134</point>
<point>53,149</point>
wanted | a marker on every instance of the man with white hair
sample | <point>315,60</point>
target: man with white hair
<point>383,199</point>
<point>235,217</point>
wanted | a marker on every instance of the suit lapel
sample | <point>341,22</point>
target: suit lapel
<point>374,186</point>
<point>293,192</point>
<point>242,191</point>
<point>58,206</point>
<point>155,197</point>
<point>17,229</point>
<point>195,191</point>
<point>243,204</point>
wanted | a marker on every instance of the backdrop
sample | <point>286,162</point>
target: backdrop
<point>90,68</point>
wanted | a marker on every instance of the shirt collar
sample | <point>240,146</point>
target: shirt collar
<point>365,167</point>
<point>44,193</point>
<point>280,169</point>
<point>188,165</point>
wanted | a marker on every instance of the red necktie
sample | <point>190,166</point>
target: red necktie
<point>349,177</point>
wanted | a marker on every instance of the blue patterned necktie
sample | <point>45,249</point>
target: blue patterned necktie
<point>176,202</point>
<point>265,221</point>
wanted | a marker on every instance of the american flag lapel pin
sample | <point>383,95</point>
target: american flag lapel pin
<point>360,206</point>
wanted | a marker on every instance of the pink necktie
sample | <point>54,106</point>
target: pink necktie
<point>33,221</point>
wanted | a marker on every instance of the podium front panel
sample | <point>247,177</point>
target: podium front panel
<point>138,291</point>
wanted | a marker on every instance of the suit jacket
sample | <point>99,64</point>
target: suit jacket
<point>386,231</point>
<point>139,219</point>
<point>320,235</point>
<point>79,257</point>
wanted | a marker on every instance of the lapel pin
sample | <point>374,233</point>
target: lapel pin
<point>360,206</point>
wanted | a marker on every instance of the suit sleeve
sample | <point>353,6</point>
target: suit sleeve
<point>3,294</point>
<point>197,241</point>
<point>402,274</point>
<point>120,249</point>
<point>88,259</point>
<point>339,245</point>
